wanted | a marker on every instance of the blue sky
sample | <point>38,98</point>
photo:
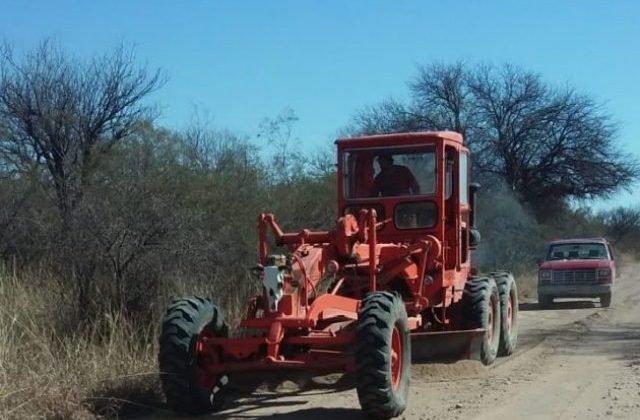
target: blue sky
<point>241,61</point>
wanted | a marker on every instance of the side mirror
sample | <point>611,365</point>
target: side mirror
<point>474,238</point>
<point>538,262</point>
<point>473,189</point>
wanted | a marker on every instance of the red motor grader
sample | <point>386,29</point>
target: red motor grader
<point>391,283</point>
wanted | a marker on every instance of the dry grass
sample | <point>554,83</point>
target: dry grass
<point>52,367</point>
<point>49,368</point>
<point>527,285</point>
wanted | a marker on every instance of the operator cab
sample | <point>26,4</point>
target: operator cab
<point>418,184</point>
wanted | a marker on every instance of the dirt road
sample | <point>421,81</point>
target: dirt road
<point>576,360</point>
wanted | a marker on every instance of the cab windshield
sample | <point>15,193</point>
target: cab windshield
<point>389,172</point>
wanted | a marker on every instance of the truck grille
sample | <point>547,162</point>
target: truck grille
<point>574,276</point>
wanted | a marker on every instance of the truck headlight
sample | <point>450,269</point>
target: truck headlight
<point>603,273</point>
<point>546,274</point>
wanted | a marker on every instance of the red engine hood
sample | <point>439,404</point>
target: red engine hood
<point>574,264</point>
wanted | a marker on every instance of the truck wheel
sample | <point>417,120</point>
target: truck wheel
<point>382,355</point>
<point>545,301</point>
<point>481,306</point>
<point>508,313</point>
<point>187,387</point>
<point>605,300</point>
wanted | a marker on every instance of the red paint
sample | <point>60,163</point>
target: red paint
<point>396,358</point>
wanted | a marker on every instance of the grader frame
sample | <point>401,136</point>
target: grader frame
<point>401,286</point>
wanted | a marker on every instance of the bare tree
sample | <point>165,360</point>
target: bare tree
<point>287,160</point>
<point>442,97</point>
<point>622,223</point>
<point>58,115</point>
<point>546,143</point>
<point>389,116</point>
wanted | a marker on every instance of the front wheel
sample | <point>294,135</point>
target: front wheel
<point>383,355</point>
<point>185,382</point>
<point>605,300</point>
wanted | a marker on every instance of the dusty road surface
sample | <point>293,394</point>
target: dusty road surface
<point>574,361</point>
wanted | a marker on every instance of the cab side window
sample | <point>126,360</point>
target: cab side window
<point>464,179</point>
<point>448,181</point>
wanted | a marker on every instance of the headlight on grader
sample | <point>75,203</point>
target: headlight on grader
<point>331,268</point>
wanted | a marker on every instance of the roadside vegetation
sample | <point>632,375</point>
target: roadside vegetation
<point>105,216</point>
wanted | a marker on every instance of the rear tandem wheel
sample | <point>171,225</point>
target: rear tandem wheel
<point>481,307</point>
<point>508,312</point>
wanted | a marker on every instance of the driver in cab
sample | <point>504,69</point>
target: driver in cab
<point>393,180</point>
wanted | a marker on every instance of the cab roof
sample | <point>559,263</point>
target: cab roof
<point>400,138</point>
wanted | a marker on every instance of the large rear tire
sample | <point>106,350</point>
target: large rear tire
<point>181,374</point>
<point>481,305</point>
<point>508,312</point>
<point>383,356</point>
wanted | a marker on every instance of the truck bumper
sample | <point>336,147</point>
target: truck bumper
<point>575,290</point>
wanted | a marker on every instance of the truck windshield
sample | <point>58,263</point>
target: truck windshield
<point>389,172</point>
<point>575,251</point>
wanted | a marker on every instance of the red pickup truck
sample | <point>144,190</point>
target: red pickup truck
<point>577,268</point>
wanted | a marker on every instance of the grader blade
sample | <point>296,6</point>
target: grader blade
<point>446,345</point>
